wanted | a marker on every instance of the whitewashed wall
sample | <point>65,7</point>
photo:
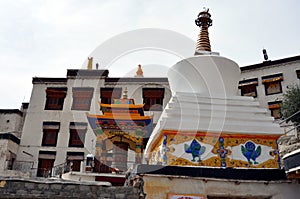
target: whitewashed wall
<point>33,126</point>
<point>10,122</point>
<point>289,77</point>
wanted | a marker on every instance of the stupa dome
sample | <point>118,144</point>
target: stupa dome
<point>209,75</point>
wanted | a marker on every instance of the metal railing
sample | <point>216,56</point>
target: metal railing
<point>290,126</point>
<point>298,112</point>
<point>60,169</point>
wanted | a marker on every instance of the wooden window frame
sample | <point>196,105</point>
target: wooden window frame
<point>269,84</point>
<point>272,79</point>
<point>245,90</point>
<point>77,135</point>
<point>244,85</point>
<point>153,98</point>
<point>108,94</point>
<point>275,106</point>
<point>45,171</point>
<point>82,98</point>
<point>76,162</point>
<point>47,135</point>
<point>52,132</point>
<point>55,97</point>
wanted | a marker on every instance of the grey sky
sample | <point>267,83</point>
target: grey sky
<point>45,37</point>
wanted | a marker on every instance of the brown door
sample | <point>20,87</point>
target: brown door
<point>44,167</point>
<point>76,165</point>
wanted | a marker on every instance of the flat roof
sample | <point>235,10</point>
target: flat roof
<point>86,73</point>
<point>41,80</point>
<point>11,111</point>
<point>270,63</point>
<point>137,79</point>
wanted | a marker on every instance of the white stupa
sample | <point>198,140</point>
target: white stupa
<point>206,122</point>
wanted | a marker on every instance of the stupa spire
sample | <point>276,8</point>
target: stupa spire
<point>204,22</point>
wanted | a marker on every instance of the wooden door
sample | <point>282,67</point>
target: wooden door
<point>44,167</point>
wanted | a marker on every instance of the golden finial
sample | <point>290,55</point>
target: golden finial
<point>139,72</point>
<point>125,93</point>
<point>204,21</point>
<point>90,63</point>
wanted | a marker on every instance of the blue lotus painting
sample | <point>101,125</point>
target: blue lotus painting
<point>195,149</point>
<point>251,152</point>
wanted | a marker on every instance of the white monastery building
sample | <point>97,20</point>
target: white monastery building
<point>56,129</point>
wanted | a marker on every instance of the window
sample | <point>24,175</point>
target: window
<point>45,164</point>
<point>55,98</point>
<point>74,160</point>
<point>248,87</point>
<point>77,134</point>
<point>275,109</point>
<point>298,74</point>
<point>82,98</point>
<point>11,160</point>
<point>272,84</point>
<point>107,95</point>
<point>153,98</point>
<point>50,131</point>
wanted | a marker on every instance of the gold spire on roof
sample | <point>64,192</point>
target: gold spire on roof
<point>204,21</point>
<point>90,63</point>
<point>139,72</point>
<point>125,93</point>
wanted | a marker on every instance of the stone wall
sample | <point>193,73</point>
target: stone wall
<point>20,188</point>
<point>160,186</point>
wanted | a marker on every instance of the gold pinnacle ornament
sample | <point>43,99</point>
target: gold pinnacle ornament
<point>204,21</point>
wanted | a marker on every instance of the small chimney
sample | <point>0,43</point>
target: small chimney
<point>265,55</point>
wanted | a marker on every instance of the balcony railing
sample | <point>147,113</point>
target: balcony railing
<point>25,166</point>
<point>60,169</point>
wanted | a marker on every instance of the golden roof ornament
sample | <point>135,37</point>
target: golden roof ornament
<point>204,21</point>
<point>90,63</point>
<point>139,72</point>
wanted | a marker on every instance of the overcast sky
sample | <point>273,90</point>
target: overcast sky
<point>44,38</point>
